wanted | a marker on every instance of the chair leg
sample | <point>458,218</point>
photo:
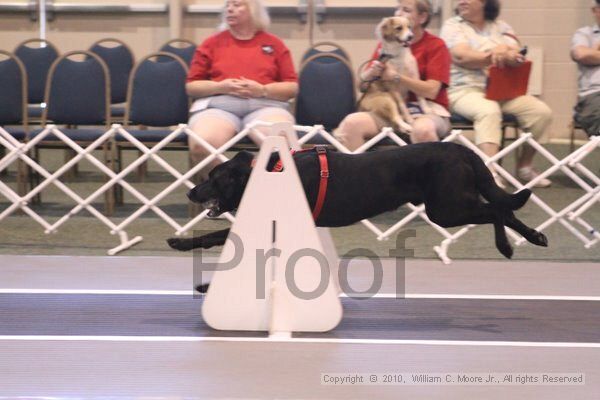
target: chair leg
<point>519,149</point>
<point>118,168</point>
<point>22,178</point>
<point>142,169</point>
<point>502,141</point>
<point>73,171</point>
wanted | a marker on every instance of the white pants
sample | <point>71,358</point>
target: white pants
<point>532,114</point>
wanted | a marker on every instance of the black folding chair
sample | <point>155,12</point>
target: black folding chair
<point>326,48</point>
<point>326,92</point>
<point>37,55</point>
<point>182,48</point>
<point>77,96</point>
<point>119,59</point>
<point>13,96</point>
<point>156,101</point>
<point>13,106</point>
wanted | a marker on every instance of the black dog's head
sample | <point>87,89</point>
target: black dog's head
<point>225,186</point>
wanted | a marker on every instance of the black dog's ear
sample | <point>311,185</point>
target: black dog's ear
<point>244,156</point>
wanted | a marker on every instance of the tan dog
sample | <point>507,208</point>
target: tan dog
<point>387,99</point>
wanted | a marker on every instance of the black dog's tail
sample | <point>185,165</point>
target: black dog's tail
<point>492,192</point>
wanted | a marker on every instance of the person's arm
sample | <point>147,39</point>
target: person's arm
<point>285,87</point>
<point>205,88</point>
<point>371,73</point>
<point>582,48</point>
<point>282,91</point>
<point>586,55</point>
<point>198,83</point>
<point>501,55</point>
<point>462,53</point>
<point>428,89</point>
<point>247,88</point>
<point>465,56</point>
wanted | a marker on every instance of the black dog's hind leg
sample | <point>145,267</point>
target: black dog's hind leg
<point>473,212</point>
<point>532,236</point>
<point>212,239</point>
<point>502,243</point>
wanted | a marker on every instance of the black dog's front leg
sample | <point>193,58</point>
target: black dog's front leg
<point>216,238</point>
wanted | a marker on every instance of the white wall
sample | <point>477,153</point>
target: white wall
<point>548,24</point>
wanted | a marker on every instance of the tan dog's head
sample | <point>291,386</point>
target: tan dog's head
<point>395,30</point>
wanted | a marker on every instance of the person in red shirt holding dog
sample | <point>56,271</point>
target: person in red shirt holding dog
<point>239,75</point>
<point>433,59</point>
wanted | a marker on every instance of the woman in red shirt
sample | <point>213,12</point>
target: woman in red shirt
<point>239,75</point>
<point>433,60</point>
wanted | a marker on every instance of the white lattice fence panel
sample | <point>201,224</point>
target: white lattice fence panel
<point>568,217</point>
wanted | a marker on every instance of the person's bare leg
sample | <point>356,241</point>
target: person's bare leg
<point>424,130</point>
<point>216,131</point>
<point>355,129</point>
<point>534,116</point>
<point>526,155</point>
<point>490,149</point>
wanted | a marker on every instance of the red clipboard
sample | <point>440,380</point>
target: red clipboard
<point>508,82</point>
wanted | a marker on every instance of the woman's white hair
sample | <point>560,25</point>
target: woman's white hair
<point>258,12</point>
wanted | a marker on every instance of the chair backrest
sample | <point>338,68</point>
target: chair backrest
<point>182,48</point>
<point>326,48</point>
<point>78,92</point>
<point>156,95</point>
<point>13,95</point>
<point>326,91</point>
<point>37,61</point>
<point>119,59</point>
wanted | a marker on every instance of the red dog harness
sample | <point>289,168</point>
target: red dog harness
<point>324,173</point>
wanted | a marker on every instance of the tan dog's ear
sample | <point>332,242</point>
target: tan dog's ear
<point>386,29</point>
<point>379,29</point>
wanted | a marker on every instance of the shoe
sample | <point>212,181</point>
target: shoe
<point>499,181</point>
<point>526,174</point>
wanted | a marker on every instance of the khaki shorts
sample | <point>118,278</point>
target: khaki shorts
<point>236,110</point>
<point>237,122</point>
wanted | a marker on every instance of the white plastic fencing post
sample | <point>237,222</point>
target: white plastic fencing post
<point>285,129</point>
<point>282,282</point>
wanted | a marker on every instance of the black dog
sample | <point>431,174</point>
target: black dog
<point>449,178</point>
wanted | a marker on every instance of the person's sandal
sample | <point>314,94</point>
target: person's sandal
<point>527,174</point>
